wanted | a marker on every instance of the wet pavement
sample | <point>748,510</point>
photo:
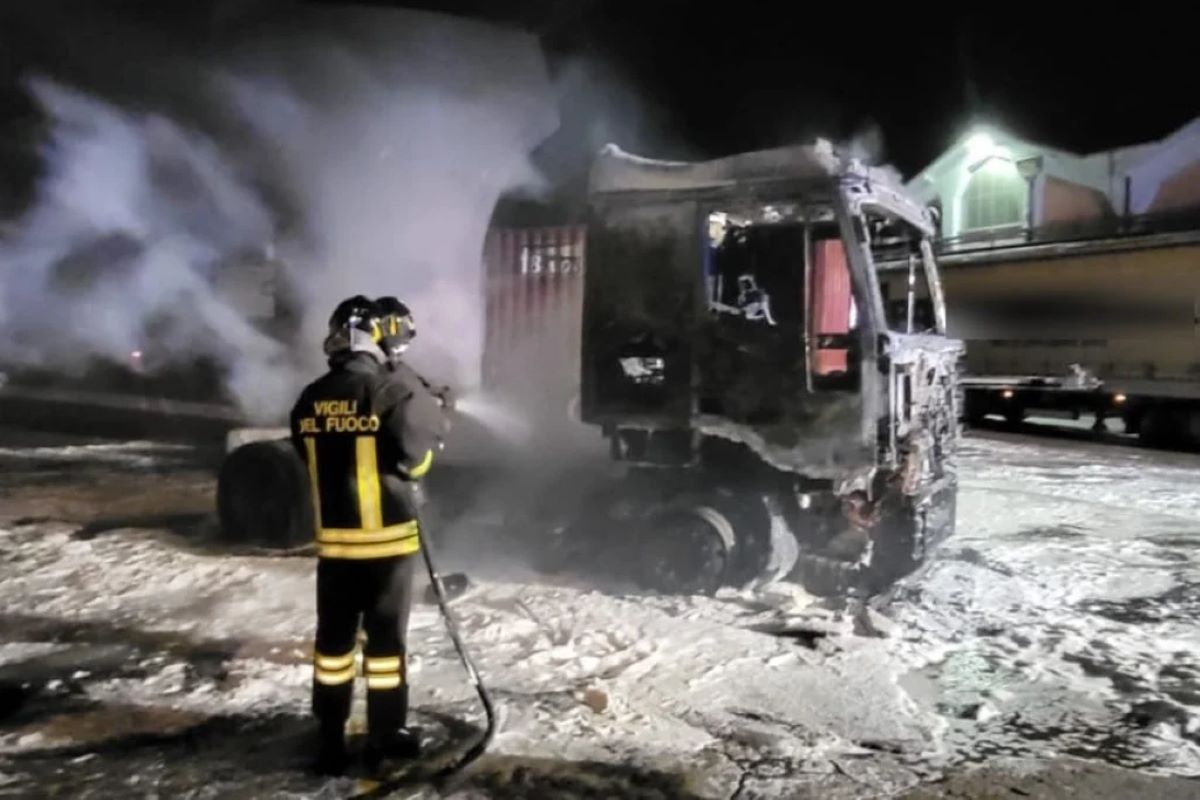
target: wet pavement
<point>1062,616</point>
<point>139,659</point>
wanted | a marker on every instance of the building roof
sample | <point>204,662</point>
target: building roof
<point>1148,164</point>
<point>1157,162</point>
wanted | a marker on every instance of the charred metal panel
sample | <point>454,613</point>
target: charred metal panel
<point>923,382</point>
<point>640,313</point>
<point>664,347</point>
<point>773,335</point>
<point>754,386</point>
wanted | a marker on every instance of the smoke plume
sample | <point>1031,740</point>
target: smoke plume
<point>355,152</point>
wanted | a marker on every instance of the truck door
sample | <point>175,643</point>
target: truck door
<point>913,400</point>
<point>920,363</point>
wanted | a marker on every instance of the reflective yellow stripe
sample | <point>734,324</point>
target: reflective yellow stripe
<point>383,681</point>
<point>334,677</point>
<point>389,664</point>
<point>401,547</point>
<point>354,535</point>
<point>420,469</point>
<point>333,663</point>
<point>310,446</point>
<point>370,509</point>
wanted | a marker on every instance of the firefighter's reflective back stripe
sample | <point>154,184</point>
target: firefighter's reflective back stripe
<point>394,540</point>
<point>361,536</point>
<point>314,479</point>
<point>370,506</point>
<point>420,469</point>
<point>384,672</point>
<point>401,547</point>
<point>334,670</point>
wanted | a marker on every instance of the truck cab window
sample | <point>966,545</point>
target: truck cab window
<point>755,271</point>
<point>761,266</point>
<point>904,283</point>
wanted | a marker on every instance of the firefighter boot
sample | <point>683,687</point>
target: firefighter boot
<point>332,758</point>
<point>388,734</point>
<point>401,745</point>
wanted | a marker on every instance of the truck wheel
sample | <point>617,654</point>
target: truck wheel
<point>263,497</point>
<point>1014,414</point>
<point>687,552</point>
<point>1132,419</point>
<point>974,408</point>
<point>1159,426</point>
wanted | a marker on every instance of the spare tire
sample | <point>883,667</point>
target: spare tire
<point>263,496</point>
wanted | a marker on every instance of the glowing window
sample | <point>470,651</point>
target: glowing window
<point>995,196</point>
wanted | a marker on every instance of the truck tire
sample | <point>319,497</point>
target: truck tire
<point>1014,413</point>
<point>975,408</point>
<point>1132,420</point>
<point>1159,426</point>
<point>685,551</point>
<point>263,497</point>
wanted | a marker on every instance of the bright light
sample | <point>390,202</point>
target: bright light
<point>1119,398</point>
<point>980,145</point>
<point>136,355</point>
<point>997,164</point>
<point>1007,394</point>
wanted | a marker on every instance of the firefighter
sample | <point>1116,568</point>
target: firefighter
<point>399,329</point>
<point>354,428</point>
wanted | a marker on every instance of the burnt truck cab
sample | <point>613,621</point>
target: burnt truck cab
<point>776,415</point>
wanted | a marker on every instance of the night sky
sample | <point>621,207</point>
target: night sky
<point>757,74</point>
<point>670,78</point>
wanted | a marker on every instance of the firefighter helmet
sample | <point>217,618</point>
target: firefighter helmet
<point>398,326</point>
<point>355,325</point>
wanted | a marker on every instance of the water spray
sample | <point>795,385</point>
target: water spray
<point>496,416</point>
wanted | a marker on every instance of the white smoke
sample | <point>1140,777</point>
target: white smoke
<point>366,152</point>
<point>131,218</point>
<point>400,166</point>
<point>867,145</point>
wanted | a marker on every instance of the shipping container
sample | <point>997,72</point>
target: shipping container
<point>533,307</point>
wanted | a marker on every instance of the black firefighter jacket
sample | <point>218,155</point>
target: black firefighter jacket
<point>364,433</point>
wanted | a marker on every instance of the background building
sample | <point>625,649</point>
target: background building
<point>993,188</point>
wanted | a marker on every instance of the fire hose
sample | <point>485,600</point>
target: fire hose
<point>479,747</point>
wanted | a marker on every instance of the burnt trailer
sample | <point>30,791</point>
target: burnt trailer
<point>770,417</point>
<point>1108,325</point>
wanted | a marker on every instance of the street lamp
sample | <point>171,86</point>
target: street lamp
<point>980,146</point>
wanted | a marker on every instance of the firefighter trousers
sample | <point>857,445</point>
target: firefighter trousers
<point>376,594</point>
